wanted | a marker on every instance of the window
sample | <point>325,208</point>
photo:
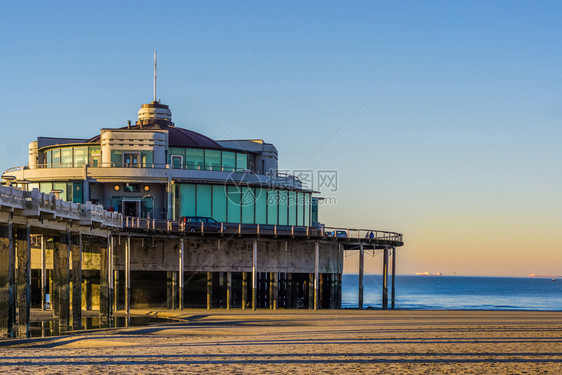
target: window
<point>66,157</point>
<point>219,203</point>
<point>300,209</point>
<point>272,205</point>
<point>187,200</point>
<point>248,201</point>
<point>203,200</point>
<point>228,161</point>
<point>261,206</point>
<point>283,197</point>
<point>177,161</point>
<point>233,206</point>
<point>80,156</point>
<point>131,159</point>
<point>49,158</point>
<point>131,188</point>
<point>292,201</point>
<point>147,159</point>
<point>195,158</point>
<point>241,162</point>
<point>212,160</point>
<point>56,158</point>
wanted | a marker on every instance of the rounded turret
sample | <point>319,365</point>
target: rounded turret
<point>155,114</point>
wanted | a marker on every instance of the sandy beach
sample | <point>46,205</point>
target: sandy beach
<point>305,342</point>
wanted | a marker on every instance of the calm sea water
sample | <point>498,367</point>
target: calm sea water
<point>458,292</point>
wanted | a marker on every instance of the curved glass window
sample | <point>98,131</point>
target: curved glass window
<point>261,206</point>
<point>194,158</point>
<point>292,201</point>
<point>233,207</point>
<point>228,161</point>
<point>219,203</point>
<point>272,205</point>
<point>283,201</point>
<point>204,200</point>
<point>241,162</point>
<point>212,160</point>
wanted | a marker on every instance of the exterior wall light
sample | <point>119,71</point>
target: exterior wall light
<point>117,187</point>
<point>146,188</point>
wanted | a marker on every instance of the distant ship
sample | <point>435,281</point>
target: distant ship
<point>429,274</point>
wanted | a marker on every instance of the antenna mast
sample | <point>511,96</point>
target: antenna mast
<point>154,75</point>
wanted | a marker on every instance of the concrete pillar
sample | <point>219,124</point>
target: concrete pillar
<point>385,279</point>
<point>254,273</point>
<point>275,290</point>
<point>209,290</point>
<point>311,291</point>
<point>339,291</point>
<point>393,293</point>
<point>180,278</point>
<point>116,289</point>
<point>289,294</point>
<point>316,283</point>
<point>110,280</point>
<point>43,273</point>
<point>228,290</point>
<point>244,289</point>
<point>333,284</point>
<point>61,280</point>
<point>169,290</point>
<point>174,291</point>
<point>128,275</point>
<point>76,250</point>
<point>7,281</point>
<point>105,272</point>
<point>23,279</point>
<point>270,290</point>
<point>361,272</point>
<point>321,281</point>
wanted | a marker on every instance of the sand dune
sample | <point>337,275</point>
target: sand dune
<point>306,342</point>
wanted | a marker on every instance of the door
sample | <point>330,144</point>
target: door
<point>130,159</point>
<point>131,208</point>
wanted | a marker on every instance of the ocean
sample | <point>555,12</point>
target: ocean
<point>457,292</point>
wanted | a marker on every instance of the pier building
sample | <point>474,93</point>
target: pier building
<point>195,222</point>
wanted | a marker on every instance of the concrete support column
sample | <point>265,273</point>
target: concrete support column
<point>244,289</point>
<point>321,280</point>
<point>7,282</point>
<point>116,289</point>
<point>385,279</point>
<point>23,279</point>
<point>254,273</point>
<point>228,290</point>
<point>311,293</point>
<point>393,292</point>
<point>361,272</point>
<point>209,290</point>
<point>316,283</point>
<point>169,290</point>
<point>110,273</point>
<point>180,278</point>
<point>339,291</point>
<point>128,275</point>
<point>270,290</point>
<point>61,289</point>
<point>105,276</point>
<point>43,273</point>
<point>76,250</point>
<point>289,295</point>
<point>275,290</point>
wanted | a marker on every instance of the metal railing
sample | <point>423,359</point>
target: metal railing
<point>341,234</point>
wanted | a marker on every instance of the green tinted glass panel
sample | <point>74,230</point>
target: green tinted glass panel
<point>80,156</point>
<point>233,204</point>
<point>180,151</point>
<point>187,200</point>
<point>66,157</point>
<point>272,204</point>
<point>45,187</point>
<point>204,200</point>
<point>314,211</point>
<point>248,203</point>
<point>292,208</point>
<point>60,188</point>
<point>194,158</point>
<point>56,158</point>
<point>241,161</point>
<point>147,159</point>
<point>116,158</point>
<point>307,209</point>
<point>219,203</point>
<point>147,208</point>
<point>48,158</point>
<point>300,209</point>
<point>228,161</point>
<point>176,162</point>
<point>212,160</point>
<point>261,206</point>
<point>116,203</point>
<point>283,197</point>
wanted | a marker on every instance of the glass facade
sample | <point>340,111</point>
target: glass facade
<point>178,158</point>
<point>68,191</point>
<point>247,205</point>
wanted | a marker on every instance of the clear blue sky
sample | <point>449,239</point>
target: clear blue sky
<point>460,151</point>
